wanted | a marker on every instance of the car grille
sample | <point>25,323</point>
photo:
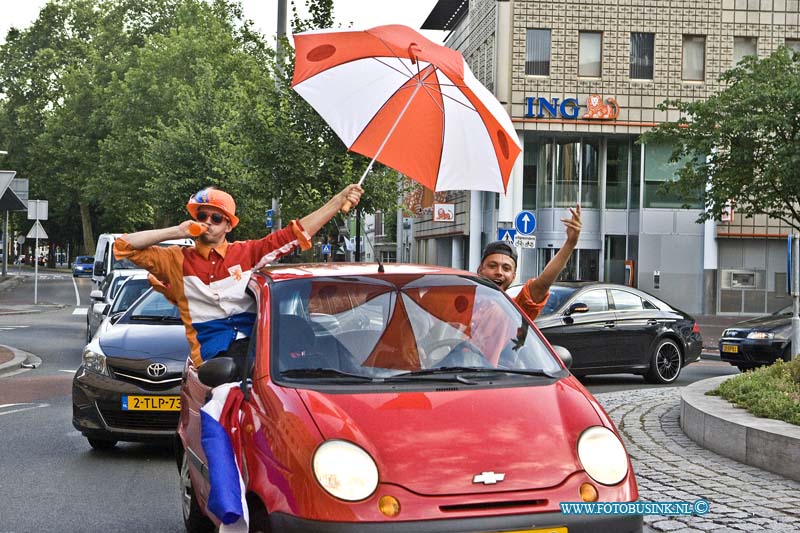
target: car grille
<point>145,381</point>
<point>116,418</point>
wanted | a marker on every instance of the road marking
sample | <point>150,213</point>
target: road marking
<point>68,371</point>
<point>20,409</point>
<point>80,311</point>
<point>77,294</point>
<point>7,328</point>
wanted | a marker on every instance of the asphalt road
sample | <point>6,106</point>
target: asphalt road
<point>52,480</point>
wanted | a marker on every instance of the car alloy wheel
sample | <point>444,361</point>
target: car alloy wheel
<point>665,365</point>
<point>193,518</point>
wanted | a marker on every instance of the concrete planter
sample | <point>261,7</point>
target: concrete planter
<point>717,425</point>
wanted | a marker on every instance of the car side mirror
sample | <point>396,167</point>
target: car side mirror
<point>217,371</point>
<point>98,269</point>
<point>96,294</point>
<point>564,355</point>
<point>577,307</point>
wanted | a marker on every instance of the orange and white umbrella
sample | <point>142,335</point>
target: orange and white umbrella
<point>393,95</point>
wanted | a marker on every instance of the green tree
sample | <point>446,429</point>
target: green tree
<point>748,136</point>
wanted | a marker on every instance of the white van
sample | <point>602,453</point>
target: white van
<point>105,262</point>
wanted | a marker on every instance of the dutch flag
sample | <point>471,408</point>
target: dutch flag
<point>219,425</point>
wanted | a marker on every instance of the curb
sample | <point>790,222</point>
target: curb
<point>715,424</point>
<point>14,366</point>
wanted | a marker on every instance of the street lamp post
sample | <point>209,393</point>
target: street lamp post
<point>5,236</point>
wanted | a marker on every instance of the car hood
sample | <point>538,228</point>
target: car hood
<point>143,341</point>
<point>434,443</point>
<point>764,323</point>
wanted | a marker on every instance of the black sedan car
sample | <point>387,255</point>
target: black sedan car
<point>127,387</point>
<point>758,341</point>
<point>612,329</point>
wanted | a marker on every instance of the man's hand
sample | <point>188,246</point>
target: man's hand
<point>573,225</point>
<point>352,194</point>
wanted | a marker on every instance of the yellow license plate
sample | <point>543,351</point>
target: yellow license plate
<point>730,348</point>
<point>540,530</point>
<point>151,403</point>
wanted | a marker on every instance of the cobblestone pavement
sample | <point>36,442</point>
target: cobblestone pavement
<point>671,467</point>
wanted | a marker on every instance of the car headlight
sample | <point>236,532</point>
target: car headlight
<point>760,335</point>
<point>345,471</point>
<point>95,361</point>
<point>602,455</point>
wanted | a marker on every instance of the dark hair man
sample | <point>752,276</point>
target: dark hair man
<point>499,264</point>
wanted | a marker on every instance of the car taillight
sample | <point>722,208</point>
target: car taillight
<point>695,328</point>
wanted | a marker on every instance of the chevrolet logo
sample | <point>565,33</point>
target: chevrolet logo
<point>488,478</point>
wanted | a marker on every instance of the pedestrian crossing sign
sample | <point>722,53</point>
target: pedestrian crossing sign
<point>506,234</point>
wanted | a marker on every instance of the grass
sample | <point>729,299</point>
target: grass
<point>768,392</point>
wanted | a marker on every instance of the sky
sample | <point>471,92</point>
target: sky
<point>361,13</point>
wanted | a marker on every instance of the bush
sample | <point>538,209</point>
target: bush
<point>768,392</point>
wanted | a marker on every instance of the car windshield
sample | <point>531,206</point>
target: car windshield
<point>152,307</point>
<point>84,259</point>
<point>128,294</point>
<point>788,310</point>
<point>363,327</point>
<point>558,295</point>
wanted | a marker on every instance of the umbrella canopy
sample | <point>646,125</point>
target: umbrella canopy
<point>393,95</point>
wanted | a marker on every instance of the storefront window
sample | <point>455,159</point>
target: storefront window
<point>657,170</point>
<point>590,176</point>
<point>614,260</point>
<point>545,169</point>
<point>617,174</point>
<point>636,175</point>
<point>530,173</point>
<point>566,186</point>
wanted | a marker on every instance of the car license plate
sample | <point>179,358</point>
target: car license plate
<point>151,403</point>
<point>730,348</point>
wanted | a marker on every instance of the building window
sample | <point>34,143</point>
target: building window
<point>545,177</point>
<point>537,53</point>
<point>694,58</point>
<point>794,44</point>
<point>617,174</point>
<point>379,229</point>
<point>590,54</point>
<point>530,173</point>
<point>657,169</point>
<point>567,173</point>
<point>743,47</point>
<point>642,55</point>
<point>590,176</point>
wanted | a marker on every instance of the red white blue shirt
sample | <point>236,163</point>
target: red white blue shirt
<point>208,285</point>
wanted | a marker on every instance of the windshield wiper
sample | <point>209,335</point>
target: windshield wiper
<point>472,369</point>
<point>156,318</point>
<point>322,373</point>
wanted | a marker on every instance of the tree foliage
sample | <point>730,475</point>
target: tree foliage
<point>118,110</point>
<point>743,144</point>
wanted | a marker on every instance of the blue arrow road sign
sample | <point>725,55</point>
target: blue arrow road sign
<point>506,234</point>
<point>525,222</point>
<point>326,249</point>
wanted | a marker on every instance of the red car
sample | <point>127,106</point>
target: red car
<point>401,398</point>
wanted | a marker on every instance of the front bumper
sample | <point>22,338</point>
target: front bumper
<point>97,410</point>
<point>752,352</point>
<point>509,523</point>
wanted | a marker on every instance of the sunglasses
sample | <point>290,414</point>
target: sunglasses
<point>215,218</point>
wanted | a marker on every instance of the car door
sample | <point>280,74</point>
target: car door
<point>588,336</point>
<point>638,325</point>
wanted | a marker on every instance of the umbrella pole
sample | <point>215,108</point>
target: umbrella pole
<point>347,205</point>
